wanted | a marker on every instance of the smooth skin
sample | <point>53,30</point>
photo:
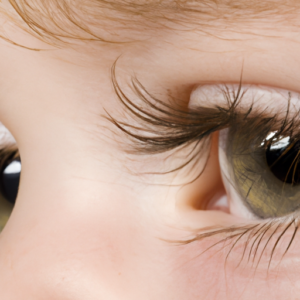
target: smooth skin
<point>88,223</point>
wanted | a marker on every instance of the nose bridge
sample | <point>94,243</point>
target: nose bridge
<point>49,254</point>
<point>67,243</point>
<point>27,259</point>
<point>19,265</point>
<point>29,248</point>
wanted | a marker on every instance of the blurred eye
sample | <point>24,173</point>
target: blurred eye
<point>9,180</point>
<point>10,170</point>
<point>261,171</point>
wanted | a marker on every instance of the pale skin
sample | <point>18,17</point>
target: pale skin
<point>85,226</point>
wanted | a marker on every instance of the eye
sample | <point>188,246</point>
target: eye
<point>258,143</point>
<point>10,171</point>
<point>9,179</point>
<point>261,170</point>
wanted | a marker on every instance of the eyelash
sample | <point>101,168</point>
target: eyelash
<point>165,127</point>
<point>258,233</point>
<point>7,155</point>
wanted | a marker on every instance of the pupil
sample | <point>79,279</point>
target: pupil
<point>283,158</point>
<point>9,180</point>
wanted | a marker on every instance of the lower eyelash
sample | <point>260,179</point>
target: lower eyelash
<point>254,239</point>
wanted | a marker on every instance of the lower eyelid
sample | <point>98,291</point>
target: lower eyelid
<point>230,279</point>
<point>269,248</point>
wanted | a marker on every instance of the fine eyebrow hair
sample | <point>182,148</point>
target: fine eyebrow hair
<point>221,9</point>
<point>91,20</point>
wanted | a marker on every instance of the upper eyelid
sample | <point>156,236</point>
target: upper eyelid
<point>158,126</point>
<point>6,138</point>
<point>262,96</point>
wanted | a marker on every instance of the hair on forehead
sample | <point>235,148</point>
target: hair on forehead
<point>59,21</point>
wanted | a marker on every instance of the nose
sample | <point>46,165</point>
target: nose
<point>47,253</point>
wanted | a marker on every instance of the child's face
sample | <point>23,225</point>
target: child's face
<point>95,221</point>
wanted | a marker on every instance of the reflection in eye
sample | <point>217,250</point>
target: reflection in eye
<point>283,160</point>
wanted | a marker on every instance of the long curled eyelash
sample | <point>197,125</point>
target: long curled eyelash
<point>163,127</point>
<point>166,126</point>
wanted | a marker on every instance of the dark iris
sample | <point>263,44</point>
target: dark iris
<point>284,162</point>
<point>9,180</point>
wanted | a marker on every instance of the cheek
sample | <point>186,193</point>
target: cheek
<point>214,275</point>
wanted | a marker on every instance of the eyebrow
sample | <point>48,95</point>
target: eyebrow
<point>204,11</point>
<point>224,8</point>
<point>204,15</point>
<point>71,20</point>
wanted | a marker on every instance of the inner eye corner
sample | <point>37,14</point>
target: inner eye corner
<point>208,193</point>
